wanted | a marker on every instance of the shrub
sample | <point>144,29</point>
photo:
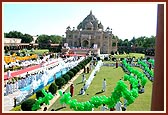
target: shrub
<point>90,58</point>
<point>113,59</point>
<point>98,58</point>
<point>71,74</point>
<point>77,68</point>
<point>27,105</point>
<point>53,88</point>
<point>41,57</point>
<point>80,67</point>
<point>66,77</point>
<point>74,71</point>
<point>112,53</point>
<point>60,82</point>
<point>84,62</point>
<point>39,94</point>
<point>121,59</point>
<point>106,58</point>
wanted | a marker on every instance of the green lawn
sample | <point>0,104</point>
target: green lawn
<point>136,55</point>
<point>112,75</point>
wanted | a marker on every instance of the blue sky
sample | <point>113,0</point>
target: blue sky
<point>127,20</point>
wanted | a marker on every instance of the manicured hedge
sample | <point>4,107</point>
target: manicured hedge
<point>53,88</point>
<point>39,94</point>
<point>74,71</point>
<point>60,82</point>
<point>27,105</point>
<point>71,74</point>
<point>66,77</point>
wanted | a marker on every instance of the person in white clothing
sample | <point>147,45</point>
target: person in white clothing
<point>82,91</point>
<point>9,74</point>
<point>118,106</point>
<point>84,87</point>
<point>11,88</point>
<point>83,78</point>
<point>7,88</point>
<point>104,85</point>
<point>124,108</point>
<point>104,108</point>
<point>16,85</point>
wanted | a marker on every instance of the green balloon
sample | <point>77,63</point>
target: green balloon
<point>126,77</point>
<point>44,92</point>
<point>50,96</point>
<point>60,92</point>
<point>143,81</point>
<point>134,92</point>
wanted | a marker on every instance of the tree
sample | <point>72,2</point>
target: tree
<point>66,77</point>
<point>120,42</point>
<point>133,41</point>
<point>126,43</point>
<point>71,74</point>
<point>60,82</point>
<point>39,94</point>
<point>112,52</point>
<point>13,34</point>
<point>26,38</point>
<point>56,39</point>
<point>28,104</point>
<point>42,38</point>
<point>53,88</point>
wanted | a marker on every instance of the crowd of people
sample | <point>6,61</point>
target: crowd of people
<point>13,85</point>
<point>31,80</point>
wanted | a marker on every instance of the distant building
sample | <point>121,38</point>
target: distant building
<point>90,33</point>
<point>12,40</point>
<point>34,39</point>
<point>15,44</point>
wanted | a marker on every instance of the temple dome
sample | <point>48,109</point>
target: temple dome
<point>90,20</point>
<point>89,25</point>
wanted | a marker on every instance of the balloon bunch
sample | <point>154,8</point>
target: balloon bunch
<point>139,75</point>
<point>133,93</point>
<point>146,68</point>
<point>45,99</point>
<point>151,61</point>
<point>120,90</point>
<point>65,97</point>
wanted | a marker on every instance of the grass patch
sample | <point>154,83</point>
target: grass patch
<point>130,55</point>
<point>40,52</point>
<point>112,75</point>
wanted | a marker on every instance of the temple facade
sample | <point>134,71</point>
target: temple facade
<point>90,33</point>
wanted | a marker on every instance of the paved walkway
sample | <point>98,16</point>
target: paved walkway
<point>8,101</point>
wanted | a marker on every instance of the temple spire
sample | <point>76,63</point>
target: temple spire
<point>90,12</point>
